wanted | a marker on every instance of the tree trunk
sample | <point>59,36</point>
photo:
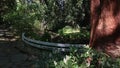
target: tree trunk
<point>105,26</point>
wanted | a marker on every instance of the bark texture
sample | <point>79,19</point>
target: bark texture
<point>105,26</point>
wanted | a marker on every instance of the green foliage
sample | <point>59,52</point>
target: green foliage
<point>48,14</point>
<point>5,7</point>
<point>41,16</point>
<point>67,34</point>
<point>87,58</point>
<point>73,33</point>
<point>25,17</point>
<point>84,57</point>
<point>72,13</point>
<point>68,30</point>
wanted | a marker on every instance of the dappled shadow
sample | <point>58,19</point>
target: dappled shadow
<point>11,56</point>
<point>6,35</point>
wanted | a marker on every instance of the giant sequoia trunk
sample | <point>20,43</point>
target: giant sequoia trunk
<point>105,26</point>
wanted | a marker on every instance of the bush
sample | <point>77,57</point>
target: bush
<point>74,33</point>
<point>48,14</point>
<point>87,58</point>
<point>25,16</point>
<point>51,15</point>
<point>84,57</point>
<point>60,13</point>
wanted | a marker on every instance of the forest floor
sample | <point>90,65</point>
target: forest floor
<point>10,55</point>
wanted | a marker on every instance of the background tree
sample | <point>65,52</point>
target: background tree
<point>5,7</point>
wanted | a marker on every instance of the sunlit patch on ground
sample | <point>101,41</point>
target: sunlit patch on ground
<point>6,35</point>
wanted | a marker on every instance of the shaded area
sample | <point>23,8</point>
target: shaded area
<point>10,55</point>
<point>16,54</point>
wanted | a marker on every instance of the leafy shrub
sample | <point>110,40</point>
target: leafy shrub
<point>60,13</point>
<point>40,16</point>
<point>25,16</point>
<point>84,57</point>
<point>48,14</point>
<point>74,34</point>
<point>68,29</point>
<point>87,58</point>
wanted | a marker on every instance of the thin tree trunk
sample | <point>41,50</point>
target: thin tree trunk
<point>105,26</point>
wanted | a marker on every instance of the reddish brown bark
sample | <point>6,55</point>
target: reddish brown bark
<point>105,26</point>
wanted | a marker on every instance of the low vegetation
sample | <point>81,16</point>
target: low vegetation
<point>80,58</point>
<point>61,21</point>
